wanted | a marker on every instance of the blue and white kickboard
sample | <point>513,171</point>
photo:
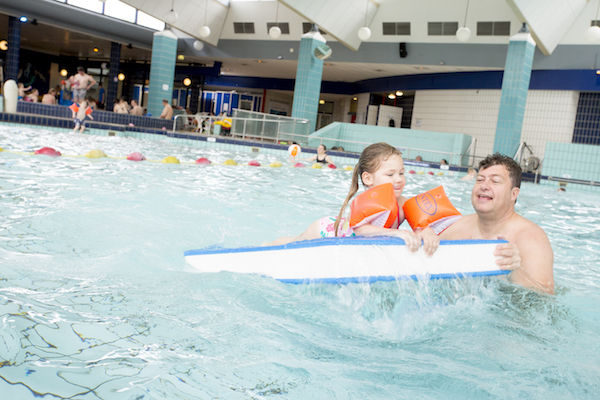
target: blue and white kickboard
<point>351,259</point>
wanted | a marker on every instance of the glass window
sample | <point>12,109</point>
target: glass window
<point>149,21</point>
<point>92,5</point>
<point>120,10</point>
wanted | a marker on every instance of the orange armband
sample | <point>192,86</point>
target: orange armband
<point>74,107</point>
<point>430,209</point>
<point>377,206</point>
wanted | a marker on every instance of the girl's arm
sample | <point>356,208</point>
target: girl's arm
<point>412,240</point>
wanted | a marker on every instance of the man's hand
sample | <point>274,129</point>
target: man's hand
<point>507,255</point>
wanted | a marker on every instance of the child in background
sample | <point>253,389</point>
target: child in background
<point>80,112</point>
<point>22,89</point>
<point>379,164</point>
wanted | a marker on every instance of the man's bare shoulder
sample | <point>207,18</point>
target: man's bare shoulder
<point>522,228</point>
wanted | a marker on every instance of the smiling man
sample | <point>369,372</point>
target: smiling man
<point>528,254</point>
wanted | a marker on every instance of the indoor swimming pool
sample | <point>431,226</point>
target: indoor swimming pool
<point>96,301</point>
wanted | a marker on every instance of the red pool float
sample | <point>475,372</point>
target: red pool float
<point>203,161</point>
<point>254,163</point>
<point>430,173</point>
<point>48,151</point>
<point>299,165</point>
<point>135,156</point>
<point>332,166</point>
<point>412,171</point>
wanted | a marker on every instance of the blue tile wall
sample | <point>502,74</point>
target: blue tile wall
<point>587,120</point>
<point>307,89</point>
<point>162,70</point>
<point>14,46</point>
<point>515,85</point>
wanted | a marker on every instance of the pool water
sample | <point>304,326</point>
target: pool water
<point>96,301</point>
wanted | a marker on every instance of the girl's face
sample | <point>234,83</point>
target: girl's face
<point>391,171</point>
<point>320,149</point>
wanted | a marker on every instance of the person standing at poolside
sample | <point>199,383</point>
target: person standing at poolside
<point>80,84</point>
<point>136,109</point>
<point>528,254</point>
<point>167,112</point>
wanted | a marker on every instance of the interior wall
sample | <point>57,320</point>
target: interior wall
<point>549,116</point>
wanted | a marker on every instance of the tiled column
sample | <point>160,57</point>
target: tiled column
<point>14,46</point>
<point>513,99</point>
<point>162,70</point>
<point>195,93</point>
<point>113,80</point>
<point>308,79</point>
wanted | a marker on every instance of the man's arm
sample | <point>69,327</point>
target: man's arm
<point>91,82</point>
<point>537,260</point>
<point>530,258</point>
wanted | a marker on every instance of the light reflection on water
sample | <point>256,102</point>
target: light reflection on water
<point>96,301</point>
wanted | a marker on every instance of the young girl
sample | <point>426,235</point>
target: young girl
<point>378,164</point>
<point>80,112</point>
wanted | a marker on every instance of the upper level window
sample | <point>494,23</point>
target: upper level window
<point>243,27</point>
<point>307,26</point>
<point>149,21</point>
<point>396,28</point>
<point>120,10</point>
<point>92,5</point>
<point>442,28</point>
<point>493,28</point>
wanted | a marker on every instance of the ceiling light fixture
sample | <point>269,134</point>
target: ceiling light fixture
<point>121,76</point>
<point>205,30</point>
<point>399,93</point>
<point>593,32</point>
<point>275,30</point>
<point>364,32</point>
<point>171,17</point>
<point>187,82</point>
<point>391,96</point>
<point>198,45</point>
<point>463,33</point>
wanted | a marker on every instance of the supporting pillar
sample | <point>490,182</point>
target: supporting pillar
<point>162,70</point>
<point>14,47</point>
<point>307,88</point>
<point>195,94</point>
<point>515,85</point>
<point>113,80</point>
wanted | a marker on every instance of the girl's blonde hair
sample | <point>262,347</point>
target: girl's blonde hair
<point>369,161</point>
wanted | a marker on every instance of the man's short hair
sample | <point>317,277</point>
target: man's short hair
<point>80,69</point>
<point>514,170</point>
<point>165,101</point>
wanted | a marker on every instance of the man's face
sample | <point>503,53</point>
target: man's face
<point>493,191</point>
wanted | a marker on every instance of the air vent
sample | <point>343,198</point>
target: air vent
<point>284,26</point>
<point>243,27</point>
<point>493,28</point>
<point>396,28</point>
<point>442,28</point>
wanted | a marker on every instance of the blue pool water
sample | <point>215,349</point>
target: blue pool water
<point>96,301</point>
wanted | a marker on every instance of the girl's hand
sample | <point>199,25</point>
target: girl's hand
<point>431,241</point>
<point>411,239</point>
